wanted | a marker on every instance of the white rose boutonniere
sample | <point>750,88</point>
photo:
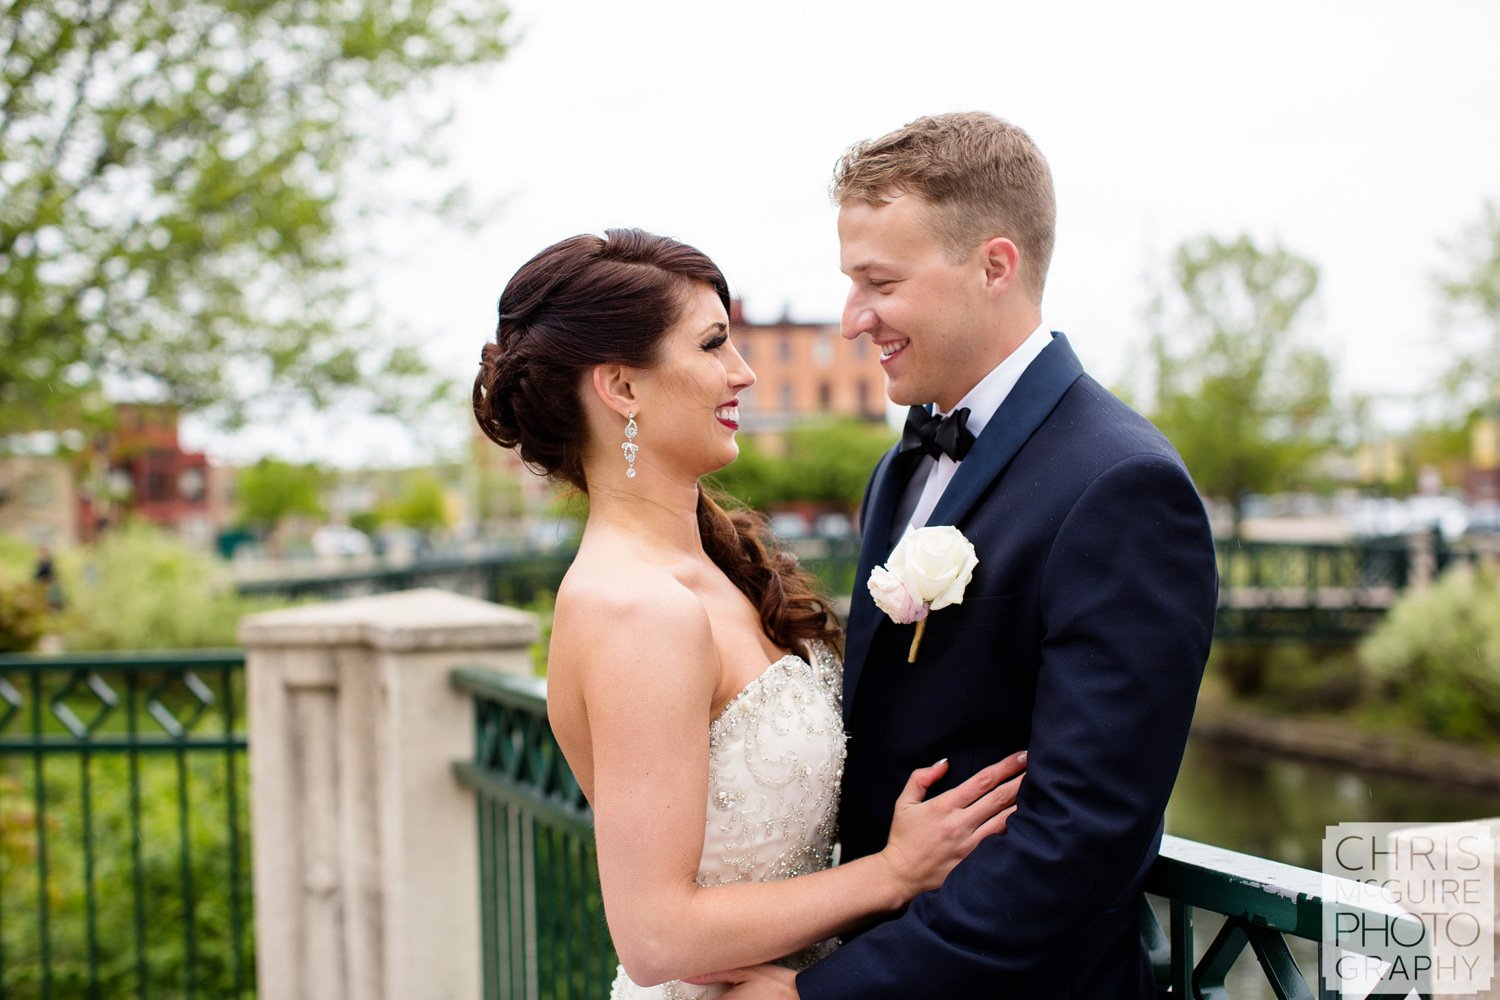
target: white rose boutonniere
<point>926,571</point>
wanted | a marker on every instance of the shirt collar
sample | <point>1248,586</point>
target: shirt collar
<point>985,398</point>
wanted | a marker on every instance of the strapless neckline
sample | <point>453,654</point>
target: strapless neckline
<point>754,683</point>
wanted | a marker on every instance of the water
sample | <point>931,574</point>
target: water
<point>1276,807</point>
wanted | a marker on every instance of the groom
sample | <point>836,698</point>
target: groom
<point>1084,630</point>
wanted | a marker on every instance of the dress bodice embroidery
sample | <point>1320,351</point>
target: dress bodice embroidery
<point>775,761</point>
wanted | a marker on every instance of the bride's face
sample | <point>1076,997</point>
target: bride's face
<point>690,399</point>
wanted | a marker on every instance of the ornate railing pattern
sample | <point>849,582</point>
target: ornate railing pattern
<point>543,929</point>
<point>123,814</point>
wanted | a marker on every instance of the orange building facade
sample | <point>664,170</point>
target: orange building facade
<point>804,371</point>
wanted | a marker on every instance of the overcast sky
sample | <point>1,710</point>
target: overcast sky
<point>1359,134</point>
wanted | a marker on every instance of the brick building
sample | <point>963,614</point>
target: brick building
<point>804,371</point>
<point>150,476</point>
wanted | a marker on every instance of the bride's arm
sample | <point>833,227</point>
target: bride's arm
<point>649,681</point>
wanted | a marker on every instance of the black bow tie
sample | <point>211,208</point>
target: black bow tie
<point>934,435</point>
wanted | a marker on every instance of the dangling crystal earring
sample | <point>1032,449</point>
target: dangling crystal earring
<point>630,448</point>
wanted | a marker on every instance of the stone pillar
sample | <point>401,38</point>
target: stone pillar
<point>366,871</point>
<point>1422,560</point>
<point>1419,854</point>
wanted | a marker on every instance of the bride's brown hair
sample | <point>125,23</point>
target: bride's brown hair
<point>589,301</point>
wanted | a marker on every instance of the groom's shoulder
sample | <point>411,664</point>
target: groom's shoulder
<point>1110,423</point>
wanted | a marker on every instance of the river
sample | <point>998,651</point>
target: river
<point>1277,808</point>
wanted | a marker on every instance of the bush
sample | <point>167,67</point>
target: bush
<point>133,847</point>
<point>24,616</point>
<point>1438,654</point>
<point>140,589</point>
<point>1293,677</point>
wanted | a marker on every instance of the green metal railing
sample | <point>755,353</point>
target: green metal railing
<point>1269,591</point>
<point>1282,590</point>
<point>514,579</point>
<point>542,922</point>
<point>541,919</point>
<point>124,856</point>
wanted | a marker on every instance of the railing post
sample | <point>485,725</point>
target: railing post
<point>364,846</point>
<point>1421,560</point>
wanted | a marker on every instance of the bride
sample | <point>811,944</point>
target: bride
<point>693,679</point>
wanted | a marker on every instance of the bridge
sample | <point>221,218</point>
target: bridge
<point>1269,591</point>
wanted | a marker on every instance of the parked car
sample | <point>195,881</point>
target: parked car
<point>340,540</point>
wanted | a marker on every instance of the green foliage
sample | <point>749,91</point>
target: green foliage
<point>24,616</point>
<point>1470,291</point>
<point>367,521</point>
<point>139,589</point>
<point>1245,403</point>
<point>17,559</point>
<point>423,503</point>
<point>271,490</point>
<point>831,462</point>
<point>825,463</point>
<point>177,175</point>
<point>754,478</point>
<point>1290,677</point>
<point>1438,654</point>
<point>544,605</point>
<point>166,834</point>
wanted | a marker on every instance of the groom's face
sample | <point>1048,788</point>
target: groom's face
<point>910,296</point>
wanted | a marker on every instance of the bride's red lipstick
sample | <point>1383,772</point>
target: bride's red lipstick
<point>732,424</point>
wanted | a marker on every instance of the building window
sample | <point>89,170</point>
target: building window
<point>158,486</point>
<point>864,397</point>
<point>825,396</point>
<point>823,350</point>
<point>784,347</point>
<point>786,398</point>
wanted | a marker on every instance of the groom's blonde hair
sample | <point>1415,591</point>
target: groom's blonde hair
<point>983,176</point>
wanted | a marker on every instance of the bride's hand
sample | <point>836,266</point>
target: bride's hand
<point>928,838</point>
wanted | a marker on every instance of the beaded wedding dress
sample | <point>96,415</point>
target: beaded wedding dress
<point>776,756</point>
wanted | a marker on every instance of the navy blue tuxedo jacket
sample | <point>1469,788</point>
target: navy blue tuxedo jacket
<point>1082,639</point>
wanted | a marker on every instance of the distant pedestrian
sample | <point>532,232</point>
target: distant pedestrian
<point>45,577</point>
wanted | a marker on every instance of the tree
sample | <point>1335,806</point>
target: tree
<point>174,179</point>
<point>830,463</point>
<point>423,503</point>
<point>1470,291</point>
<point>755,478</point>
<point>1246,404</point>
<point>270,491</point>
<point>824,462</point>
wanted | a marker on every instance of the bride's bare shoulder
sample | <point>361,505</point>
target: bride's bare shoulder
<point>602,605</point>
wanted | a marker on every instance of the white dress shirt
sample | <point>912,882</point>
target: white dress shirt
<point>983,400</point>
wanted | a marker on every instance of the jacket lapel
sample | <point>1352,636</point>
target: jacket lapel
<point>1040,388</point>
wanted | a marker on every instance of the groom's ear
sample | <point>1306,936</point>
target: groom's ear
<point>1002,264</point>
<point>615,386</point>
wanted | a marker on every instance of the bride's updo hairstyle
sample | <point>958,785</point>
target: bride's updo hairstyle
<point>588,301</point>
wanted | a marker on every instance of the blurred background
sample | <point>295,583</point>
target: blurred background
<point>249,254</point>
